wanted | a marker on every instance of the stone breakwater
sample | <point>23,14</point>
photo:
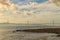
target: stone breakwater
<point>43,30</point>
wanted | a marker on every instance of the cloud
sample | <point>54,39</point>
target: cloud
<point>27,13</point>
<point>3,16</point>
<point>8,6</point>
<point>33,7</point>
<point>29,9</point>
<point>56,2</point>
<point>43,11</point>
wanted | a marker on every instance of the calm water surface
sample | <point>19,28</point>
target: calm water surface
<point>6,33</point>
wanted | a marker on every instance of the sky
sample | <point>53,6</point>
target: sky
<point>32,11</point>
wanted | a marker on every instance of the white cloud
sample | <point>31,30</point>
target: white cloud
<point>3,16</point>
<point>28,13</point>
<point>56,2</point>
<point>33,7</point>
<point>6,5</point>
<point>44,11</point>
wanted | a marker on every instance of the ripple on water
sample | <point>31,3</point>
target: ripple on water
<point>28,36</point>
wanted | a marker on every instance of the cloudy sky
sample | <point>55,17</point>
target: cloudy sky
<point>32,11</point>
